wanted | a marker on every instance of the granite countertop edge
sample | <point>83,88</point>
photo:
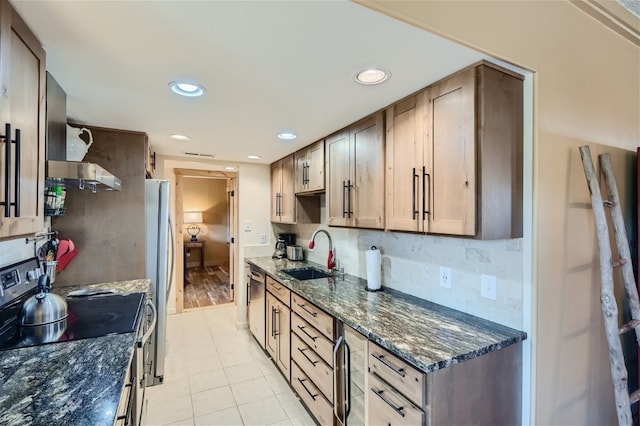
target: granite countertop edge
<point>330,294</point>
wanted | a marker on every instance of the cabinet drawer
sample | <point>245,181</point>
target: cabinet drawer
<point>398,373</point>
<point>389,407</point>
<point>313,338</point>
<point>321,409</point>
<point>322,321</point>
<point>279,290</point>
<point>313,366</point>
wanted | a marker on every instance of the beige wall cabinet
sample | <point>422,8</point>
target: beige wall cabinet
<point>283,203</point>
<point>355,175</point>
<point>22,121</point>
<point>309,173</point>
<point>454,156</point>
<point>278,339</point>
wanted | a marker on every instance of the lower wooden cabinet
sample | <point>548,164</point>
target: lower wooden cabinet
<point>316,369</point>
<point>278,338</point>
<point>387,406</point>
<point>312,397</point>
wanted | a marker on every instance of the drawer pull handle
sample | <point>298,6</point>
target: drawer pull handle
<point>395,369</point>
<point>313,314</point>
<point>308,335</point>
<point>389,403</point>
<point>305,388</point>
<point>278,289</point>
<point>307,357</point>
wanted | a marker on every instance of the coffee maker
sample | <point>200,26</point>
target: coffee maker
<point>284,240</point>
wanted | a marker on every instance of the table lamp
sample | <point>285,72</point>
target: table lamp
<point>193,218</point>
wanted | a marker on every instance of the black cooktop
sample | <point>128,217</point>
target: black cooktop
<point>93,316</point>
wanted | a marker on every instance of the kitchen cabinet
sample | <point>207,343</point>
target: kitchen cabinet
<point>22,131</point>
<point>309,169</point>
<point>400,393</point>
<point>278,338</point>
<point>454,156</point>
<point>312,357</point>
<point>283,203</point>
<point>355,175</point>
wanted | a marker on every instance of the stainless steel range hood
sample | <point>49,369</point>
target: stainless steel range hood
<point>74,174</point>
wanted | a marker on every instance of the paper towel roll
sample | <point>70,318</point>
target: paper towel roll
<point>374,272</point>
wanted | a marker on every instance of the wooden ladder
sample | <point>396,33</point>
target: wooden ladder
<point>607,296</point>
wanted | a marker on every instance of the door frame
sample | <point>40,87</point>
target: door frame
<point>232,184</point>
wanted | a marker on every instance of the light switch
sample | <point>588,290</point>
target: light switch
<point>247,226</point>
<point>263,238</point>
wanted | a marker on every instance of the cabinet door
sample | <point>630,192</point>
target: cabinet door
<point>300,172</point>
<point>283,359</point>
<point>22,79</point>
<point>276,191</point>
<point>315,167</point>
<point>287,194</point>
<point>367,162</point>
<point>450,156</point>
<point>404,153</point>
<point>337,174</point>
<point>271,343</point>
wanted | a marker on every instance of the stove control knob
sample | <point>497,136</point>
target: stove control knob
<point>34,274</point>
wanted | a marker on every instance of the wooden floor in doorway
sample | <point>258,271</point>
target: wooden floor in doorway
<point>207,286</point>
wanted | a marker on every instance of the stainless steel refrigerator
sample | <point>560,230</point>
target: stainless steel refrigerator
<point>160,260</point>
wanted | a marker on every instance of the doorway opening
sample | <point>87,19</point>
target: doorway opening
<point>206,220</point>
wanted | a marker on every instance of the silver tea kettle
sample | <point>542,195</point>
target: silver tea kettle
<point>281,249</point>
<point>43,316</point>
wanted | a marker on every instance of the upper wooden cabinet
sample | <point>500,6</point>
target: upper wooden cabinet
<point>309,164</point>
<point>355,175</point>
<point>283,203</point>
<point>454,156</point>
<point>22,131</point>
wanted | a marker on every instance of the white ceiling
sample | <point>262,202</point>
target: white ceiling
<point>266,66</point>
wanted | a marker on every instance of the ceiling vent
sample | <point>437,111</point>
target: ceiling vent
<point>198,154</point>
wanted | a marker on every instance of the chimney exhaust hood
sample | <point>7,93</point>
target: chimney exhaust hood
<point>60,172</point>
<point>74,174</point>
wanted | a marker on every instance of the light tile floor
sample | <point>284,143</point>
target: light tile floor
<point>218,375</point>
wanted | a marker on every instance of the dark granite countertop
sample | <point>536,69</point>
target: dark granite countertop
<point>68,383</point>
<point>428,335</point>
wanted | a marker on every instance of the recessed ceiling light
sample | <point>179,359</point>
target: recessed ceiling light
<point>229,168</point>
<point>179,137</point>
<point>186,89</point>
<point>371,76</point>
<point>253,157</point>
<point>287,135</point>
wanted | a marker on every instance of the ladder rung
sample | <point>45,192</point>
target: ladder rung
<point>634,397</point>
<point>619,263</point>
<point>629,326</point>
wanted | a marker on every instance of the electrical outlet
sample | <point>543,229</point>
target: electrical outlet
<point>488,286</point>
<point>445,277</point>
<point>247,226</point>
<point>263,238</point>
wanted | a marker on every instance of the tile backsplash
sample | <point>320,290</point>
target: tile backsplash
<point>411,264</point>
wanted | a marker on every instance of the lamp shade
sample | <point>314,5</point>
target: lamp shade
<point>192,217</point>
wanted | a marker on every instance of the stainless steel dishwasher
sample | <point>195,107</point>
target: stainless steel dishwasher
<point>256,302</point>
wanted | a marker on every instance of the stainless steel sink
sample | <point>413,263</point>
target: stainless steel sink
<point>309,273</point>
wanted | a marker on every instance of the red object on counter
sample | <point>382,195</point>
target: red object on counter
<point>64,260</point>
